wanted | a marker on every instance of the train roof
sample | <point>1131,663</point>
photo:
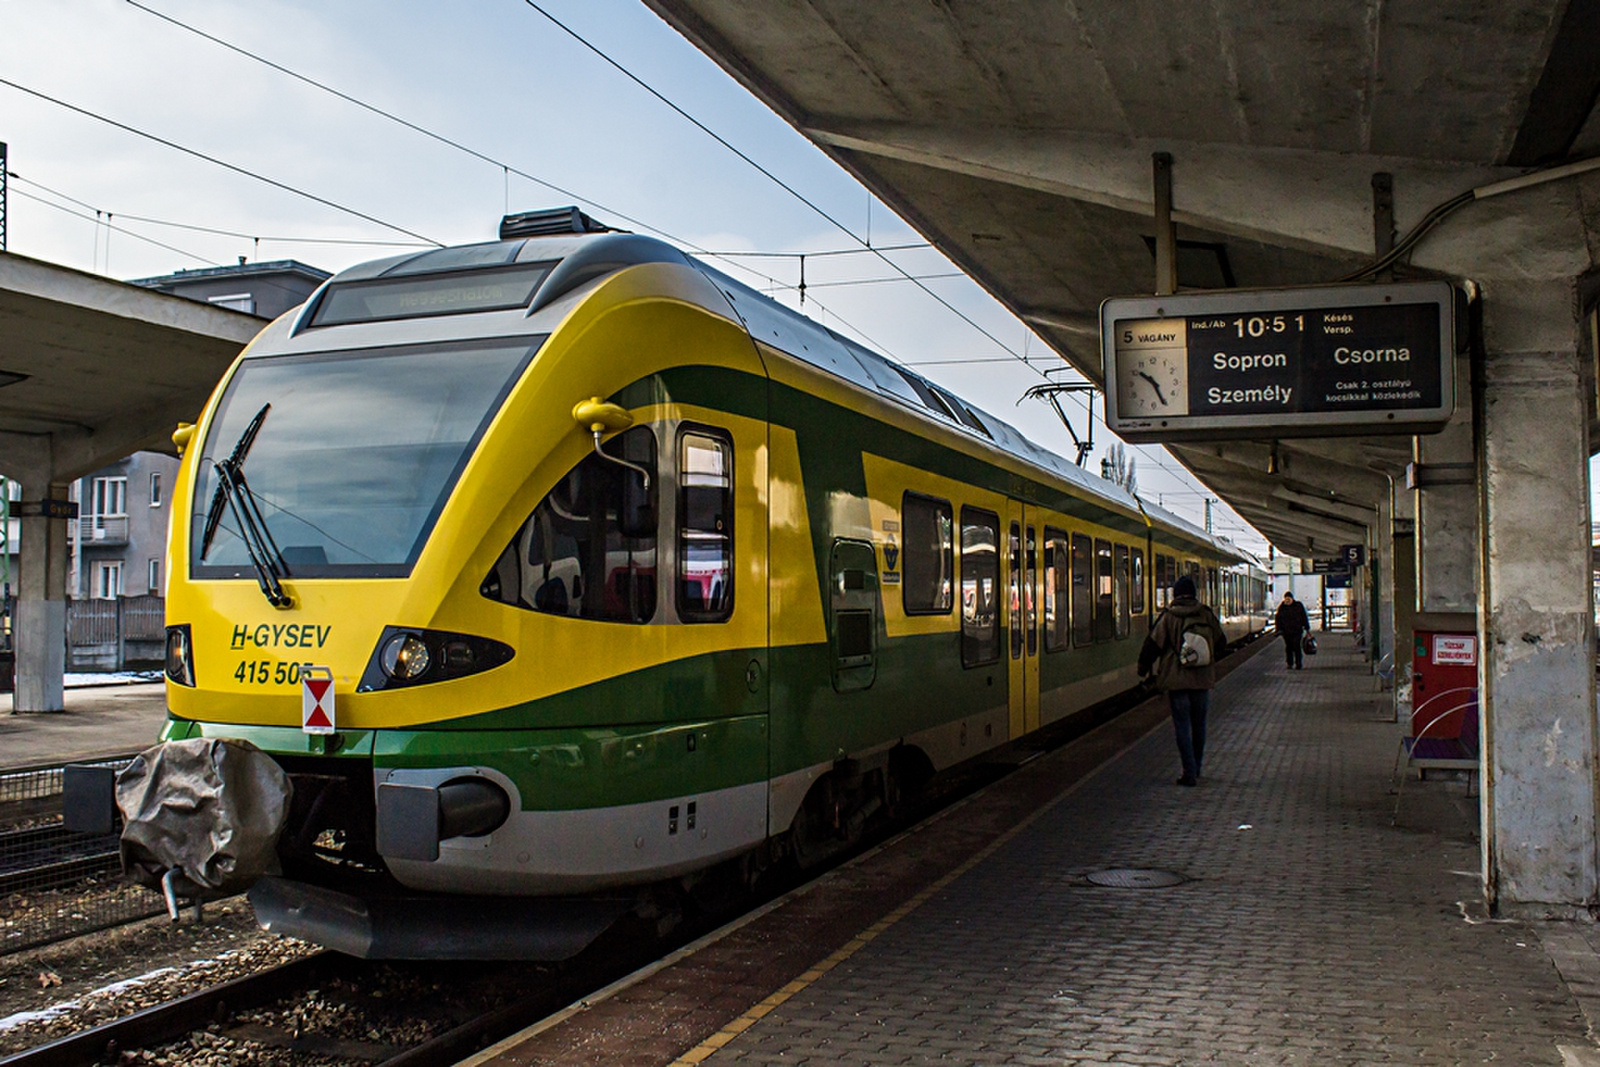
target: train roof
<point>572,259</point>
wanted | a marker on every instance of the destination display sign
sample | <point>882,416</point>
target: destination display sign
<point>1281,362</point>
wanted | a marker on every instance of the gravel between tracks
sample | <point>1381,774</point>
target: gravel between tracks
<point>60,989</point>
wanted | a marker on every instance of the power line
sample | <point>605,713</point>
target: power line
<point>218,162</point>
<point>771,176</point>
<point>505,167</point>
<point>870,249</point>
<point>433,135</point>
<point>102,222</point>
<point>220,232</point>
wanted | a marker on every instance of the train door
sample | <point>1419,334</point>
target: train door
<point>1022,616</point>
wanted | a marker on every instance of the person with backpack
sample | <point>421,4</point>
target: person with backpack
<point>1293,623</point>
<point>1184,642</point>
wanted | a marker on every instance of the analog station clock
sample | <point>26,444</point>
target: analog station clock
<point>1152,369</point>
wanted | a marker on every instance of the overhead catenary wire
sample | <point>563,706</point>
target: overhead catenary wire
<point>91,218</point>
<point>234,167</point>
<point>277,238</point>
<point>730,258</point>
<point>505,167</point>
<point>791,190</point>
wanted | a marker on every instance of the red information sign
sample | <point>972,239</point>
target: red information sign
<point>1455,650</point>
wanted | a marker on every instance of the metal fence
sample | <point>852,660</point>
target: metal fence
<point>54,883</point>
<point>112,635</point>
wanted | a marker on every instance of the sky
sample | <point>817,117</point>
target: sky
<point>501,79</point>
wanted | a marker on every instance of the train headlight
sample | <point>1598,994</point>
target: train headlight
<point>407,656</point>
<point>404,657</point>
<point>180,655</point>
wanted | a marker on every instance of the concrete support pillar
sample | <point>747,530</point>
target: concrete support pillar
<point>1380,548</point>
<point>1447,515</point>
<point>41,615</point>
<point>1536,670</point>
<point>1403,581</point>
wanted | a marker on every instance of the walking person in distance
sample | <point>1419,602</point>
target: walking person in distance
<point>1293,623</point>
<point>1184,642</point>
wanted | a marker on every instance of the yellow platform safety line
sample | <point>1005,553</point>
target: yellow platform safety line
<point>703,1051</point>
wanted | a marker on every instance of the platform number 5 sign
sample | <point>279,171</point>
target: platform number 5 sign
<point>316,700</point>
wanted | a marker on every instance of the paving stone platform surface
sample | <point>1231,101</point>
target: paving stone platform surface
<point>1309,930</point>
<point>98,721</point>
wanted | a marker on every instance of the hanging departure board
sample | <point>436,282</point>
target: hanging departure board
<point>1281,362</point>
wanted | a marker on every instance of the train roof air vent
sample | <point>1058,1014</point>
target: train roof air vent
<point>548,223</point>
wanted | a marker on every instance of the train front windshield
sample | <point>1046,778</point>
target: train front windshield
<point>352,458</point>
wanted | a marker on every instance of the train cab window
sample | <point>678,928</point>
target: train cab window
<point>1104,592</point>
<point>980,587</point>
<point>589,549</point>
<point>1057,575</point>
<point>926,586</point>
<point>1123,594</point>
<point>705,527</point>
<point>1138,578</point>
<point>1082,590</point>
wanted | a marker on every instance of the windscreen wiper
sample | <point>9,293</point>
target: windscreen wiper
<point>234,494</point>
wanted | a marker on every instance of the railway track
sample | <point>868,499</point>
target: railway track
<point>265,1008</point>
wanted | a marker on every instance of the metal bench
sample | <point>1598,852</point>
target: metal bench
<point>1438,746</point>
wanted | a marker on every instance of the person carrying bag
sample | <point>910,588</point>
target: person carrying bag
<point>1184,643</point>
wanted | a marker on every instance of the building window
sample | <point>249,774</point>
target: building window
<point>926,583</point>
<point>110,497</point>
<point>244,302</point>
<point>1082,590</point>
<point>108,580</point>
<point>1138,581</point>
<point>155,489</point>
<point>155,577</point>
<point>980,587</point>
<point>1057,573</point>
<point>589,549</point>
<point>705,527</point>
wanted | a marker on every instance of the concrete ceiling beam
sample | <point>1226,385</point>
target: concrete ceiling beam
<point>1312,201</point>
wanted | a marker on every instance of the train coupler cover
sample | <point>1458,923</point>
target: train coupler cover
<point>211,809</point>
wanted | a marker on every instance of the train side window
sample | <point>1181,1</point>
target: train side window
<point>1160,582</point>
<point>588,551</point>
<point>1057,575</point>
<point>1082,590</point>
<point>1138,581</point>
<point>1030,587</point>
<point>705,526</point>
<point>1014,592</point>
<point>980,587</point>
<point>1105,622</point>
<point>1123,594</point>
<point>926,586</point>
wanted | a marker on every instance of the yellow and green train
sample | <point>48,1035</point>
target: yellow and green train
<point>619,570</point>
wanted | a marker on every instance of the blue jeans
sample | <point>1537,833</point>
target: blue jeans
<point>1189,707</point>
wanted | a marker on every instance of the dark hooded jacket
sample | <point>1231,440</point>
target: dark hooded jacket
<point>1160,651</point>
<point>1291,620</point>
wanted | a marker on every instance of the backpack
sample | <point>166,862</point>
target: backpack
<point>1194,647</point>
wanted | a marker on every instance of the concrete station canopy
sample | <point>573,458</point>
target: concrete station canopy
<point>93,369</point>
<point>1018,136</point>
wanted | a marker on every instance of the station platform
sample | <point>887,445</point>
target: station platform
<point>98,721</point>
<point>1303,928</point>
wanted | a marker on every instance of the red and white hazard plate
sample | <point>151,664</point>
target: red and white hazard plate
<point>316,700</point>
